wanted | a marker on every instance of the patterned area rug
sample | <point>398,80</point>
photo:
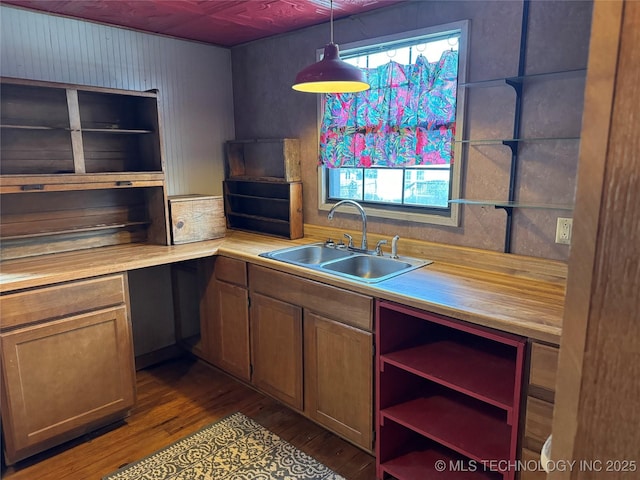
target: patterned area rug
<point>235,448</point>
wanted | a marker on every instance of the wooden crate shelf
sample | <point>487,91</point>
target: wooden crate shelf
<point>263,159</point>
<point>273,208</point>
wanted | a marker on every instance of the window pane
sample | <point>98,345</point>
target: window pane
<point>427,187</point>
<point>383,185</point>
<point>420,188</point>
<point>345,183</point>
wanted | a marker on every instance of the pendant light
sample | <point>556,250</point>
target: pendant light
<point>330,75</point>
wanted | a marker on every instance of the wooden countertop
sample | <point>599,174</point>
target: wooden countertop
<point>508,299</point>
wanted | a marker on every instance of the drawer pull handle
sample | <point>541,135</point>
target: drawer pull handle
<point>124,183</point>
<point>37,186</point>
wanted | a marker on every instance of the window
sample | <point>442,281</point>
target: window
<point>393,148</point>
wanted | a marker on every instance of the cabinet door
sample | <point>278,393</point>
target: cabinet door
<point>276,348</point>
<point>228,330</point>
<point>63,378</point>
<point>338,369</point>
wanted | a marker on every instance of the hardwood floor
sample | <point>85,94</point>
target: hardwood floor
<point>175,399</point>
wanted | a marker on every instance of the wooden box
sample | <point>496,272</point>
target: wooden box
<point>263,159</point>
<point>196,217</point>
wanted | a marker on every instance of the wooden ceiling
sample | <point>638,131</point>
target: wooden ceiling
<point>219,22</point>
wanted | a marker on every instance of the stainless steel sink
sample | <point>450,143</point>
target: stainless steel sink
<point>368,267</point>
<point>313,254</point>
<point>356,265</point>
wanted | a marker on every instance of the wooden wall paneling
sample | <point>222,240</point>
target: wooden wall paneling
<point>596,414</point>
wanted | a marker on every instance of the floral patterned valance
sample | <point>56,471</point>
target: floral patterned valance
<point>407,118</point>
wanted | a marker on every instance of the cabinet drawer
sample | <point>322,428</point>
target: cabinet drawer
<point>338,304</point>
<point>62,299</point>
<point>538,423</point>
<point>231,270</point>
<point>544,365</point>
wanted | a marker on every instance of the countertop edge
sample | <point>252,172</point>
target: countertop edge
<point>547,303</point>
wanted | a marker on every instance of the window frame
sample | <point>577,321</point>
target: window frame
<point>435,216</point>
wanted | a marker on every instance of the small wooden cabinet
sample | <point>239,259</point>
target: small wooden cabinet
<point>67,362</point>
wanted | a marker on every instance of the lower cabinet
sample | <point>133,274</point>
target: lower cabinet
<point>224,315</point>
<point>276,349</point>
<point>65,377</point>
<point>328,371</point>
<point>338,374</point>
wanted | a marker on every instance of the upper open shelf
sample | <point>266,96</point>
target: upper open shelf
<point>536,77</point>
<point>508,204</point>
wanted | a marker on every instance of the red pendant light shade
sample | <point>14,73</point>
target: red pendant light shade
<point>330,75</point>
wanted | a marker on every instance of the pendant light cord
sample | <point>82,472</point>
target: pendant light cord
<point>331,21</point>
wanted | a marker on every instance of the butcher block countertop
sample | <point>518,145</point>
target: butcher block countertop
<point>520,295</point>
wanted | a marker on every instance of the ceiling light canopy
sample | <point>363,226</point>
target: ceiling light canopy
<point>330,75</point>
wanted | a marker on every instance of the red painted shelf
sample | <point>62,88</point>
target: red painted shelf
<point>473,430</point>
<point>421,465</point>
<point>455,365</point>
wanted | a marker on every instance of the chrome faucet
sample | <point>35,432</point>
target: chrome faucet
<point>363,245</point>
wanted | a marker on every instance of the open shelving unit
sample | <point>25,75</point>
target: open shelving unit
<point>81,167</point>
<point>274,208</point>
<point>517,83</point>
<point>446,390</point>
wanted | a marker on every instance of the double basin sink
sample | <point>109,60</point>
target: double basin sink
<point>343,262</point>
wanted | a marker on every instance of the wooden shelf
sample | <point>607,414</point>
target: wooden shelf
<point>93,228</point>
<point>254,197</point>
<point>33,127</point>
<point>453,364</point>
<point>64,182</point>
<point>115,130</point>
<point>274,208</point>
<point>421,464</point>
<point>468,429</point>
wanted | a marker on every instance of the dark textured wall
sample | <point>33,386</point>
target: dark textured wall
<point>266,107</point>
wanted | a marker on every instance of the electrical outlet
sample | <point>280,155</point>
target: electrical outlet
<point>563,230</point>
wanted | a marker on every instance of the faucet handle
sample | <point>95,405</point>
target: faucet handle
<point>379,247</point>
<point>350,238</point>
